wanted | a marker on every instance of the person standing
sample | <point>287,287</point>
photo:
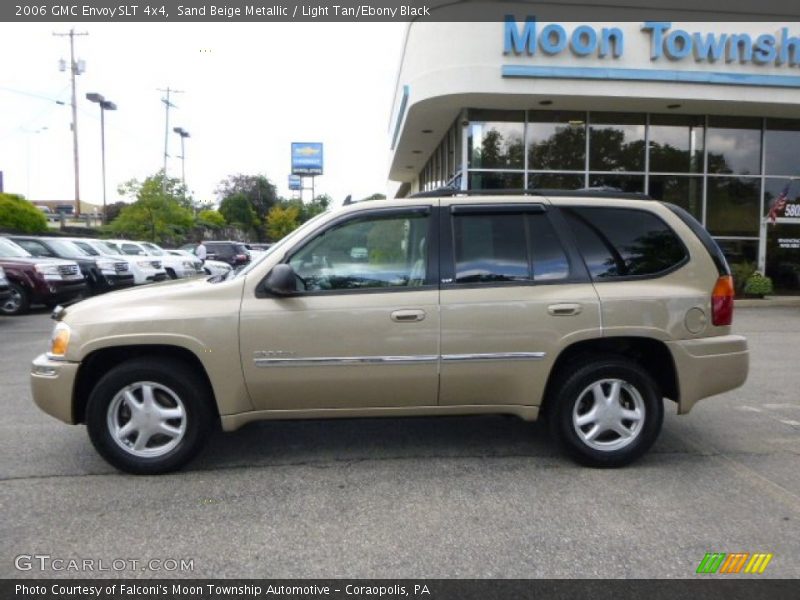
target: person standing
<point>201,252</point>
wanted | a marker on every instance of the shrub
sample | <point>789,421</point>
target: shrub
<point>741,273</point>
<point>758,285</point>
<point>17,214</point>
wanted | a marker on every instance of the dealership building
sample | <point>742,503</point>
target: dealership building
<point>702,114</point>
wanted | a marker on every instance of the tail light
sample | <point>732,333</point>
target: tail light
<point>722,301</point>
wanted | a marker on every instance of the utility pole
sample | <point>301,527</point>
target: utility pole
<point>167,106</point>
<point>75,69</point>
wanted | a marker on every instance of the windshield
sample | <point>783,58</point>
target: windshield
<point>9,248</point>
<point>107,248</point>
<point>153,249</point>
<point>281,245</point>
<point>63,248</point>
<point>85,247</point>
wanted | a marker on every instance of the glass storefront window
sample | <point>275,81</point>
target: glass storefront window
<point>616,142</point>
<point>685,191</point>
<point>556,181</point>
<point>496,140</point>
<point>774,187</point>
<point>614,181</point>
<point>676,143</point>
<point>487,180</point>
<point>733,206</point>
<point>782,147</point>
<point>734,145</point>
<point>556,140</point>
<point>783,257</point>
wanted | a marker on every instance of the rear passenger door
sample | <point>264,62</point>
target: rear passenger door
<point>512,295</point>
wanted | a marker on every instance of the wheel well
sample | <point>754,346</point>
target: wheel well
<point>99,362</point>
<point>652,355</point>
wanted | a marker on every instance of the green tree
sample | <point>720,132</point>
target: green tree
<point>18,214</point>
<point>158,214</point>
<point>282,220</point>
<point>210,219</point>
<point>260,193</point>
<point>113,210</point>
<point>238,212</point>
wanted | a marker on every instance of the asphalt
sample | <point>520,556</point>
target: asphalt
<point>451,497</point>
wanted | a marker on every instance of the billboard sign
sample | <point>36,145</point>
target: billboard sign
<point>295,182</point>
<point>306,158</point>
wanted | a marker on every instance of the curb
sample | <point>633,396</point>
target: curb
<point>768,302</point>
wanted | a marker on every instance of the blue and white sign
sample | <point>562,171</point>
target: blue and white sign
<point>295,182</point>
<point>306,158</point>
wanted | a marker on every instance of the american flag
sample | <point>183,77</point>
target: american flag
<point>779,204</point>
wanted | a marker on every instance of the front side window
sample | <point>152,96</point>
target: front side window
<point>620,242</point>
<point>497,248</point>
<point>34,247</point>
<point>377,251</point>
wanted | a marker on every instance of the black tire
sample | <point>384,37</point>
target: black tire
<point>18,303</point>
<point>171,273</point>
<point>573,387</point>
<point>177,378</point>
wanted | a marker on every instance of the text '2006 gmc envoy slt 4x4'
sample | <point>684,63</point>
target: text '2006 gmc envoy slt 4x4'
<point>580,308</point>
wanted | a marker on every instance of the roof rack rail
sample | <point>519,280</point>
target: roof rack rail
<point>579,193</point>
<point>442,192</point>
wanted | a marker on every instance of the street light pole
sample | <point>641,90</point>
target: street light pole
<point>184,134</point>
<point>104,106</point>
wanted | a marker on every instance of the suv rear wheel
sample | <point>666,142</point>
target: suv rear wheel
<point>607,413</point>
<point>149,417</point>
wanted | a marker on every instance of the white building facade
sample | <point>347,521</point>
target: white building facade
<point>704,115</point>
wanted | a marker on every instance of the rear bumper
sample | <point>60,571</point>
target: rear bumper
<point>709,366</point>
<point>52,382</point>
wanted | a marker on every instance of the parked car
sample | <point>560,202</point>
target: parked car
<point>175,267</point>
<point>5,290</point>
<point>34,280</point>
<point>102,274</point>
<point>581,309</point>
<point>235,254</point>
<point>210,267</point>
<point>144,270</point>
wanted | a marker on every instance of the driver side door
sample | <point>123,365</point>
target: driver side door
<point>362,330</point>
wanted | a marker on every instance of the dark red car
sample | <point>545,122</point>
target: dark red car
<point>37,280</point>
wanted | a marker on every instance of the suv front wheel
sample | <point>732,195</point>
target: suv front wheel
<point>149,417</point>
<point>607,413</point>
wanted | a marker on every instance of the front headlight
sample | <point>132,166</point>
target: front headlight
<point>187,264</point>
<point>59,341</point>
<point>145,264</point>
<point>48,271</point>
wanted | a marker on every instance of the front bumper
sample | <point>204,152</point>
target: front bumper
<point>709,366</point>
<point>116,281</point>
<point>52,382</point>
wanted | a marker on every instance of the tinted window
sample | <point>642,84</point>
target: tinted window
<point>34,247</point>
<point>549,259</point>
<point>492,248</point>
<point>620,242</point>
<point>376,251</point>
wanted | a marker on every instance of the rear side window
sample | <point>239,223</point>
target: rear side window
<point>623,242</point>
<point>508,247</point>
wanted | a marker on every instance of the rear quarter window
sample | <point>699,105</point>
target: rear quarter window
<point>622,242</point>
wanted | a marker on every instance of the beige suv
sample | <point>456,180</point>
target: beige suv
<point>584,309</point>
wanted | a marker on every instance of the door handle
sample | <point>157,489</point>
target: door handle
<point>408,316</point>
<point>564,310</point>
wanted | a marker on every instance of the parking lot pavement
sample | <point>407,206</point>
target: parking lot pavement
<point>452,497</point>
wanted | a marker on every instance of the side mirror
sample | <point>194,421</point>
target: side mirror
<point>281,281</point>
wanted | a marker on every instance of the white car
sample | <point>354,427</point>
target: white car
<point>177,267</point>
<point>211,267</point>
<point>144,269</point>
